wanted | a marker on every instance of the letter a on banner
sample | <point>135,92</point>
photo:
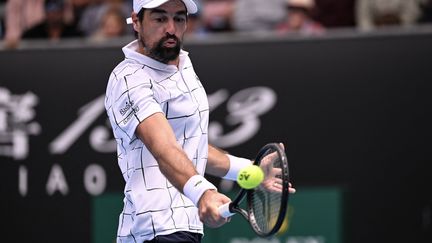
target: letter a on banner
<point>57,181</point>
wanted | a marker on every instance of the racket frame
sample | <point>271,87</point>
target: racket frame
<point>285,192</point>
<point>248,214</point>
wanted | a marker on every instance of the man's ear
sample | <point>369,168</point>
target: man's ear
<point>135,21</point>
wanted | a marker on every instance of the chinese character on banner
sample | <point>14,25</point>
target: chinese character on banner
<point>16,123</point>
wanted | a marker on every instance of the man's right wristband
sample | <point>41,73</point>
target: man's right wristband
<point>195,188</point>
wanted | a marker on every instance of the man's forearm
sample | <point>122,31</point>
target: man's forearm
<point>218,162</point>
<point>175,165</point>
<point>224,165</point>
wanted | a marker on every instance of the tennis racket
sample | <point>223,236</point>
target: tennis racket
<point>266,203</point>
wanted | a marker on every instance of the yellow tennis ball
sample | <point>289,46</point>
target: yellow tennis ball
<point>250,177</point>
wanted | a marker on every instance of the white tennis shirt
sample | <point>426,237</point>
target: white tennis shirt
<point>137,88</point>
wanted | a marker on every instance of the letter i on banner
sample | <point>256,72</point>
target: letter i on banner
<point>22,180</point>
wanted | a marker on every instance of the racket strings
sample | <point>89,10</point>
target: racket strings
<point>266,201</point>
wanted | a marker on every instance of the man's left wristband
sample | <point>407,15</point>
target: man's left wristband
<point>195,188</point>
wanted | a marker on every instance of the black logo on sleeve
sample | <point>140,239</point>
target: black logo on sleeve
<point>128,105</point>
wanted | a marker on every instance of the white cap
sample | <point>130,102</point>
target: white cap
<point>139,4</point>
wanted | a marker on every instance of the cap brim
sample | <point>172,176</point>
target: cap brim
<point>191,7</point>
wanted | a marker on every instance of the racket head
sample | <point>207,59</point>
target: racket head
<point>267,203</point>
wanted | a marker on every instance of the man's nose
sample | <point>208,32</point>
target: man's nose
<point>171,28</point>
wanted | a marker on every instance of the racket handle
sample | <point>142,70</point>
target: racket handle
<point>224,210</point>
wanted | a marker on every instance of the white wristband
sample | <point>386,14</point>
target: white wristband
<point>236,164</point>
<point>195,187</point>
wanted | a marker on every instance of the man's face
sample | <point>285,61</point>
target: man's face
<point>161,31</point>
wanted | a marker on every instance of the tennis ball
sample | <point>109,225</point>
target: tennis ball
<point>250,176</point>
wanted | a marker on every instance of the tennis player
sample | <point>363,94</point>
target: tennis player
<point>159,113</point>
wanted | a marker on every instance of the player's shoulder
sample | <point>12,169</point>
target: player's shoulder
<point>129,68</point>
<point>125,75</point>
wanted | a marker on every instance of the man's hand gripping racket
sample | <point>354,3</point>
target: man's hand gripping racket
<point>266,203</point>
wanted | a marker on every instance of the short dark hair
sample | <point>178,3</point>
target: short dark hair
<point>140,18</point>
<point>141,15</point>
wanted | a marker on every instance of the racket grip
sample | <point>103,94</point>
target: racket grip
<point>224,210</point>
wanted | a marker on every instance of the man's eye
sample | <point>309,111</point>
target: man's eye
<point>180,19</point>
<point>160,20</point>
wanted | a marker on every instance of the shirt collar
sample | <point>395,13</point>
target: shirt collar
<point>131,52</point>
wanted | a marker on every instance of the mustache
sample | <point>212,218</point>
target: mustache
<point>165,54</point>
<point>169,36</point>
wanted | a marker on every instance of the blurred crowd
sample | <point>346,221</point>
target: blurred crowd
<point>101,20</point>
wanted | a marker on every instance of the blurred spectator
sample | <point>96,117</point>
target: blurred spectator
<point>21,15</point>
<point>335,13</point>
<point>2,13</point>
<point>217,15</point>
<point>195,24</point>
<point>74,10</point>
<point>91,18</point>
<point>371,14</point>
<point>426,11</point>
<point>112,24</point>
<point>256,15</point>
<point>299,19</point>
<point>54,26</point>
<point>195,21</point>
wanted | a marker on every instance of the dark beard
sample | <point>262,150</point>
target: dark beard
<point>165,54</point>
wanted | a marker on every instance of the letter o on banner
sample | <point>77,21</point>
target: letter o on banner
<point>94,179</point>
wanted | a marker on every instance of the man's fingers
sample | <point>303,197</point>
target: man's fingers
<point>282,145</point>
<point>209,212</point>
<point>277,181</point>
<point>291,189</point>
<point>276,171</point>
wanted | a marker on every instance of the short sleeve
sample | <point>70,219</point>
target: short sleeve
<point>133,102</point>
